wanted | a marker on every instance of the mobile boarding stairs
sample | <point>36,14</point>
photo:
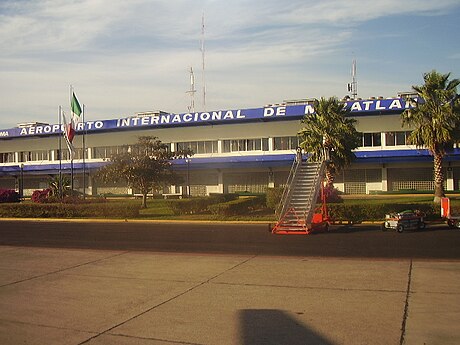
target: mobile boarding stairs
<point>298,213</point>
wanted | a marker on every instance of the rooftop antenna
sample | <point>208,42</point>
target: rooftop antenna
<point>353,86</point>
<point>202,61</point>
<point>191,92</point>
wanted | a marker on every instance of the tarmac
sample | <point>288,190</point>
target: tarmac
<point>72,296</point>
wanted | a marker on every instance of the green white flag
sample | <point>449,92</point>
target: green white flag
<point>75,107</point>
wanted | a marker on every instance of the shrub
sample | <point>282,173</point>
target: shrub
<point>274,197</point>
<point>238,206</point>
<point>198,205</point>
<point>359,212</point>
<point>9,195</point>
<point>41,196</point>
<point>47,210</point>
<point>332,195</point>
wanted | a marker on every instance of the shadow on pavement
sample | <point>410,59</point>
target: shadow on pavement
<point>272,326</point>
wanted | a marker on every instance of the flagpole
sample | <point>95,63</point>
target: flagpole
<point>71,153</point>
<point>84,151</point>
<point>60,153</point>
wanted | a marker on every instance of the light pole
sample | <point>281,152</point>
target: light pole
<point>21,182</point>
<point>187,160</point>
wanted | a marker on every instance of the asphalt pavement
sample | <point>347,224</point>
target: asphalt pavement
<point>360,241</point>
<point>53,295</point>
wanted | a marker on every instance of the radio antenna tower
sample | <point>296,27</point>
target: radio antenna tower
<point>353,86</point>
<point>191,92</point>
<point>202,61</point>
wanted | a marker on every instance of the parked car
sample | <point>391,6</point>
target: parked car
<point>405,220</point>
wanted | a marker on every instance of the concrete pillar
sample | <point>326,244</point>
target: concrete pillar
<point>220,146</point>
<point>450,179</point>
<point>384,179</point>
<point>271,179</point>
<point>89,153</point>
<point>220,181</point>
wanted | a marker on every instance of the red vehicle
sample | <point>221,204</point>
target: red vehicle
<point>452,220</point>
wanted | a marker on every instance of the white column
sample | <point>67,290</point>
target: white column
<point>384,179</point>
<point>450,179</point>
<point>271,144</point>
<point>220,181</point>
<point>271,179</point>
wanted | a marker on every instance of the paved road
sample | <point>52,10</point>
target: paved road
<point>53,288</point>
<point>436,242</point>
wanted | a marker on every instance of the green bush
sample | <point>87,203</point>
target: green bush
<point>198,205</point>
<point>274,197</point>
<point>238,206</point>
<point>374,212</point>
<point>36,210</point>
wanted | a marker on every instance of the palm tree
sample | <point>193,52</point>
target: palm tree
<point>59,186</point>
<point>329,129</point>
<point>435,121</point>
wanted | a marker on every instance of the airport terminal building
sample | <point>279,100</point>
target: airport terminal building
<point>237,150</point>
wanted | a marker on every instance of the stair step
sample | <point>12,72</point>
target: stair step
<point>303,188</point>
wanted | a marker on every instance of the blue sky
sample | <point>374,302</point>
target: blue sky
<point>124,57</point>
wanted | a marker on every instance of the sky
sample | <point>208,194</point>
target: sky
<point>123,57</point>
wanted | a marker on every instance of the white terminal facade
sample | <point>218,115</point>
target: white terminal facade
<point>239,150</point>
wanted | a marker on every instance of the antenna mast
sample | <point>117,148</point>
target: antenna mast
<point>202,60</point>
<point>353,86</point>
<point>191,92</point>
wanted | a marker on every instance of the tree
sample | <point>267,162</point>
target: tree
<point>435,121</point>
<point>146,166</point>
<point>329,129</point>
<point>59,186</point>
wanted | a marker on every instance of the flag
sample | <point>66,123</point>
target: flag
<point>75,107</point>
<point>69,133</point>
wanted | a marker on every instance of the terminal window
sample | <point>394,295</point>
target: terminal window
<point>371,139</point>
<point>286,143</point>
<point>108,151</point>
<point>7,157</point>
<point>238,145</point>
<point>39,155</point>
<point>198,147</point>
<point>396,138</point>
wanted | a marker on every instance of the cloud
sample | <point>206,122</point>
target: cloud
<point>127,56</point>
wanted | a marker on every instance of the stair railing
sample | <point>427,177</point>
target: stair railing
<point>287,192</point>
<point>314,190</point>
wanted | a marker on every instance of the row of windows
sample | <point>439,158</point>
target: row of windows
<point>40,155</point>
<point>199,147</point>
<point>203,147</point>
<point>7,157</point>
<point>108,151</point>
<point>239,145</point>
<point>391,139</point>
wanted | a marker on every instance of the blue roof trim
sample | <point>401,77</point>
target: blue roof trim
<point>406,155</point>
<point>45,169</point>
<point>279,112</point>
